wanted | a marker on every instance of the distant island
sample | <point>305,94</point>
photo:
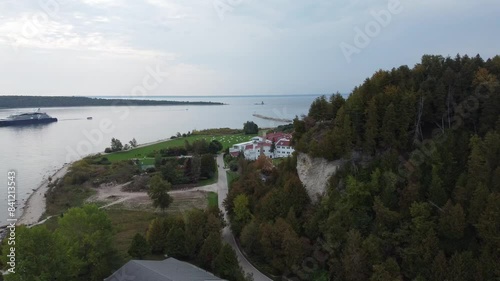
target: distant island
<point>53,101</point>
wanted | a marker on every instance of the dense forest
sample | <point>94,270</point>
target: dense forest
<point>38,102</point>
<point>418,195</point>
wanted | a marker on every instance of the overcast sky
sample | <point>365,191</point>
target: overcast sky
<point>227,47</point>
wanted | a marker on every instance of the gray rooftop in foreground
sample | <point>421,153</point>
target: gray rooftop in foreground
<point>169,269</point>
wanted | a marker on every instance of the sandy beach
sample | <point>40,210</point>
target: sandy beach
<point>35,206</point>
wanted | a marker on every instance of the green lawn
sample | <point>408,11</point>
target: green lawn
<point>141,152</point>
<point>213,199</point>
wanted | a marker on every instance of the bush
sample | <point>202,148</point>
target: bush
<point>250,128</point>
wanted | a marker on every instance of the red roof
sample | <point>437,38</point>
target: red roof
<point>283,143</point>
<point>278,136</point>
<point>248,146</point>
<point>234,154</point>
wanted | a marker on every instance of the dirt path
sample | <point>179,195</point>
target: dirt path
<point>227,235</point>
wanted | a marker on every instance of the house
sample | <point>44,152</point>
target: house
<point>169,269</point>
<point>262,146</point>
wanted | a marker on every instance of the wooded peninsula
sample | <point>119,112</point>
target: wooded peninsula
<point>54,101</point>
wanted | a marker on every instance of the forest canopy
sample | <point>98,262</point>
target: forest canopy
<point>418,197</point>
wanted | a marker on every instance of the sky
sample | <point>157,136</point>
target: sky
<point>228,47</point>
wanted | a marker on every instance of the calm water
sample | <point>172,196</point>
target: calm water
<point>36,152</point>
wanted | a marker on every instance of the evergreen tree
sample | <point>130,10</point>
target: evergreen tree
<point>175,245</point>
<point>226,264</point>
<point>209,250</point>
<point>371,127</point>
<point>155,236</point>
<point>139,248</point>
<point>452,221</point>
<point>354,258</point>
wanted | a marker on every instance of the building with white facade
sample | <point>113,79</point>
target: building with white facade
<point>262,146</point>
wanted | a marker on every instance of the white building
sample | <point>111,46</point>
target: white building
<point>258,146</point>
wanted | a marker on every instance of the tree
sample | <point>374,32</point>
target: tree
<point>87,234</point>
<point>389,126</point>
<point>452,221</point>
<point>156,236</point>
<point>242,214</point>
<point>273,146</point>
<point>195,221</point>
<point>387,271</point>
<point>354,257</point>
<point>320,109</point>
<point>116,145</point>
<point>139,248</point>
<point>226,264</point>
<point>208,166</point>
<point>195,171</point>
<point>158,192</point>
<point>214,147</point>
<point>176,243</point>
<point>292,248</point>
<point>371,127</point>
<point>250,128</point>
<point>489,221</point>
<point>209,250</point>
<point>133,143</point>
<point>250,237</point>
<point>40,255</point>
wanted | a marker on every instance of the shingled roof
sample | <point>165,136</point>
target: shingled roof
<point>169,269</point>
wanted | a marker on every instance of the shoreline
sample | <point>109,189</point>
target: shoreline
<point>36,204</point>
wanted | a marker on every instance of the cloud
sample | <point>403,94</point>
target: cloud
<point>103,3</point>
<point>28,32</point>
<point>280,46</point>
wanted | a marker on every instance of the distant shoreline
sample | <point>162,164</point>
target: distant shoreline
<point>9,102</point>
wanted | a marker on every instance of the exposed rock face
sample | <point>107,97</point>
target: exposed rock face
<point>315,173</point>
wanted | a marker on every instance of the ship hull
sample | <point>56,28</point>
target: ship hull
<point>5,123</point>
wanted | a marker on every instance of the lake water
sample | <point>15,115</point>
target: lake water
<point>36,152</point>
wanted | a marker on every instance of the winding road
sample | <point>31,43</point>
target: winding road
<point>227,235</point>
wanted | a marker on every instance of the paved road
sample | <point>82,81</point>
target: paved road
<point>226,233</point>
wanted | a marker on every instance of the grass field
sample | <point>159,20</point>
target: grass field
<point>213,199</point>
<point>143,151</point>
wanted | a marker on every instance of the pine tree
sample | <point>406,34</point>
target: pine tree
<point>175,245</point>
<point>371,127</point>
<point>387,271</point>
<point>437,194</point>
<point>460,267</point>
<point>389,126</point>
<point>439,267</point>
<point>209,250</point>
<point>489,221</point>
<point>452,221</point>
<point>139,248</point>
<point>155,236</point>
<point>226,264</point>
<point>354,258</point>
